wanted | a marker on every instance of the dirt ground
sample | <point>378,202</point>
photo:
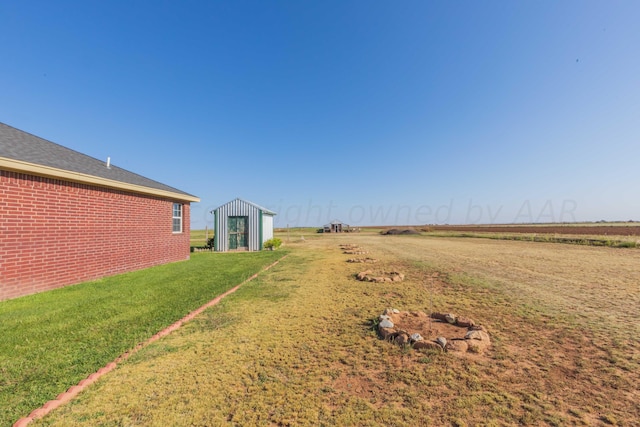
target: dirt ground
<point>582,230</point>
<point>298,345</point>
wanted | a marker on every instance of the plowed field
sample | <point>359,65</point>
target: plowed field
<point>586,230</point>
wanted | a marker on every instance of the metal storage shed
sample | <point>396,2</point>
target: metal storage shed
<point>241,225</point>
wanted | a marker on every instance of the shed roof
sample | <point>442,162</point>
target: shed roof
<point>23,152</point>
<point>264,210</point>
<point>336,222</point>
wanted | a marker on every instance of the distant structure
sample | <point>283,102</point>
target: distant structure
<point>241,226</point>
<point>336,226</point>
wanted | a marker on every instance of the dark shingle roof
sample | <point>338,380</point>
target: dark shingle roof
<point>18,145</point>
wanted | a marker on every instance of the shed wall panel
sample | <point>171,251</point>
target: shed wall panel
<point>237,208</point>
<point>267,227</point>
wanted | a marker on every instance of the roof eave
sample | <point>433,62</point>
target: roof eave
<point>50,172</point>
<point>264,210</point>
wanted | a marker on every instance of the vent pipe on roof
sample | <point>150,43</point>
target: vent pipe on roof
<point>108,162</point>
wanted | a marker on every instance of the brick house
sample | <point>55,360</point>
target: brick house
<point>67,218</point>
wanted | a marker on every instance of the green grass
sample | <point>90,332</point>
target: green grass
<point>199,237</point>
<point>295,346</point>
<point>52,340</point>
<point>297,230</point>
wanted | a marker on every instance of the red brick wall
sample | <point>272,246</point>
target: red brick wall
<point>55,233</point>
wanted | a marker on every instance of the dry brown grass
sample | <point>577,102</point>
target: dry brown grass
<point>296,347</point>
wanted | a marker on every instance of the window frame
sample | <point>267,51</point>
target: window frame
<point>178,217</point>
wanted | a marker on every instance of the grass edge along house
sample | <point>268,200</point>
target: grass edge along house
<point>69,218</point>
<point>241,226</point>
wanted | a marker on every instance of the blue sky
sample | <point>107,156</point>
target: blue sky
<point>371,112</point>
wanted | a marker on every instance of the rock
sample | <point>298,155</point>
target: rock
<point>363,275</point>
<point>477,341</point>
<point>368,276</point>
<point>439,316</point>
<point>385,333</point>
<point>442,341</point>
<point>457,345</point>
<point>427,345</point>
<point>384,317</point>
<point>361,260</point>
<point>415,337</point>
<point>386,323</point>
<point>394,276</point>
<point>476,335</point>
<point>401,338</point>
<point>478,328</point>
<point>396,311</point>
<point>465,322</point>
<point>476,346</point>
<point>450,318</point>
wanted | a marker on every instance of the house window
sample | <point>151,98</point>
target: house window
<point>177,218</point>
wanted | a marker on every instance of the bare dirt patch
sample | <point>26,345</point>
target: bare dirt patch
<point>581,230</point>
<point>438,331</point>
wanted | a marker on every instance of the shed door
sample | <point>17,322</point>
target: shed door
<point>238,229</point>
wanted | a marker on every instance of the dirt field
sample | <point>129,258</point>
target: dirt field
<point>296,346</point>
<point>581,230</point>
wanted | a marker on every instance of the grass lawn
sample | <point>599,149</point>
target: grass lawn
<point>52,340</point>
<point>199,237</point>
<point>296,345</point>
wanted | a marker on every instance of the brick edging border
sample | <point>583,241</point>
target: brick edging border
<point>73,391</point>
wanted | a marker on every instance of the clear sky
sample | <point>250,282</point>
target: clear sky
<point>370,112</point>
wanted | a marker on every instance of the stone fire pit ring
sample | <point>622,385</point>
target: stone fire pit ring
<point>380,277</point>
<point>417,329</point>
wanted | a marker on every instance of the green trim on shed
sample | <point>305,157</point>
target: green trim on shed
<point>216,245</point>
<point>260,225</point>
